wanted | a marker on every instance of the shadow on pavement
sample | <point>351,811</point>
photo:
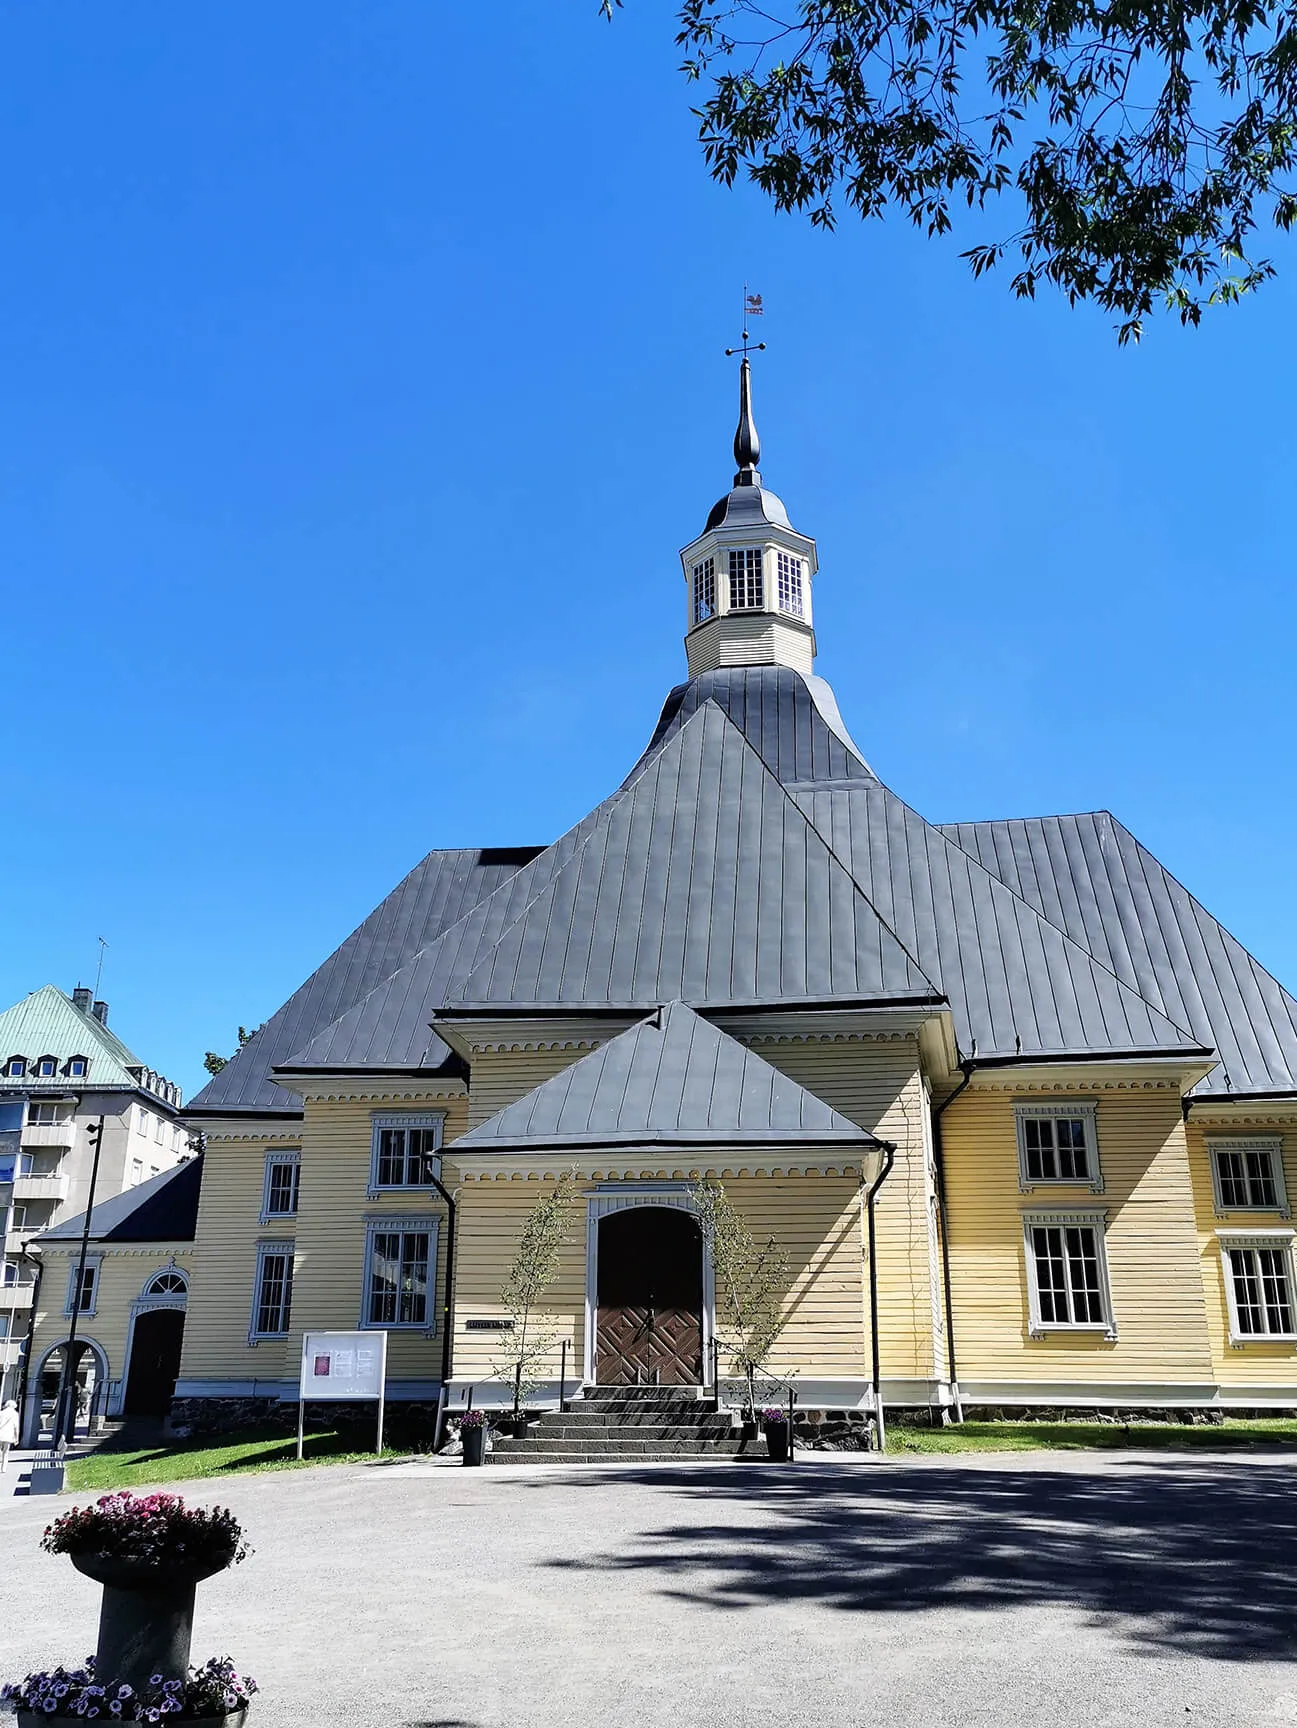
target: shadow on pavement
<point>1195,1558</point>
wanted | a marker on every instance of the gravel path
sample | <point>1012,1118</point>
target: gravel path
<point>1060,1590</point>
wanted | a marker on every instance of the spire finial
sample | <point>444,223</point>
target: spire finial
<point>747,445</point>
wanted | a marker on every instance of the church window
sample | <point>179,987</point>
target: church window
<point>272,1293</point>
<point>1259,1286</point>
<point>747,590</point>
<point>704,590</point>
<point>1067,1273</point>
<point>400,1261</point>
<point>789,572</point>
<point>1248,1174</point>
<point>280,1187</point>
<point>1057,1143</point>
<point>405,1152</point>
<point>168,1283</point>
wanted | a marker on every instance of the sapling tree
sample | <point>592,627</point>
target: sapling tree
<point>751,1284</point>
<point>536,1267</point>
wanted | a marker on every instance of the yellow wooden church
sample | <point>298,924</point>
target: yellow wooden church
<point>1069,1093</point>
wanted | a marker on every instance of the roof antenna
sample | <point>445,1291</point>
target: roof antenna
<point>100,971</point>
<point>747,445</point>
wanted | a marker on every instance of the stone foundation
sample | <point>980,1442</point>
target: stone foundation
<point>404,1424</point>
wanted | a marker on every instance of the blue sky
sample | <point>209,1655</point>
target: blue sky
<point>363,374</point>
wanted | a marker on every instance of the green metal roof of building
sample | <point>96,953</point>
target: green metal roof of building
<point>48,1023</point>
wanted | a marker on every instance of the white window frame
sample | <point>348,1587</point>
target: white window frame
<point>434,1119</point>
<point>279,1158</point>
<point>702,600</point>
<point>42,1113</point>
<point>1084,1109</point>
<point>428,1224</point>
<point>790,580</point>
<point>1096,1221</point>
<point>1283,1241</point>
<point>285,1248</point>
<point>94,1266</point>
<point>77,1067</point>
<point>1272,1144</point>
<point>46,1068</point>
<point>16,1068</point>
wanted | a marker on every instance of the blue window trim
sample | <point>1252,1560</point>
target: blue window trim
<point>94,1263</point>
<point>279,1156</point>
<point>435,1119</point>
<point>264,1250</point>
<point>375,1223</point>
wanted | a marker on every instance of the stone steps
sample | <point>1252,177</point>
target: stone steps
<point>630,1431</point>
<point>634,1424</point>
<point>611,1452</point>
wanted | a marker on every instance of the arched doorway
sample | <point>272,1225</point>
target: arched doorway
<point>86,1391</point>
<point>155,1361</point>
<point>649,1330</point>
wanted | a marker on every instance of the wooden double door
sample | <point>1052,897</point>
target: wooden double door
<point>650,1299</point>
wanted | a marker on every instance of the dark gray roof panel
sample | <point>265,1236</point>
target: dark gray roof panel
<point>435,895</point>
<point>791,722</point>
<point>1015,982</point>
<point>703,881</point>
<point>163,1209</point>
<point>673,1079</point>
<point>1089,875</point>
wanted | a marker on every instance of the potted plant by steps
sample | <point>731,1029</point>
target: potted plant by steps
<point>775,1423</point>
<point>472,1434</point>
<point>213,1696</point>
<point>150,1553</point>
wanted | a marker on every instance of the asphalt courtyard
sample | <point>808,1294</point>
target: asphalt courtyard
<point>1057,1590</point>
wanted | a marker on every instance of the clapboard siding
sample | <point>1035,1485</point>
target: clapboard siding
<point>1151,1241</point>
<point>123,1274</point>
<point>501,1077</point>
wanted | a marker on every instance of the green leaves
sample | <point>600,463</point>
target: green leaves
<point>1142,141</point>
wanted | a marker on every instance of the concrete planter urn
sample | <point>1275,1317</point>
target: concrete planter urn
<point>146,1620</point>
<point>474,1442</point>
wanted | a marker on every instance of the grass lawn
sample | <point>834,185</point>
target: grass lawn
<point>225,1455</point>
<point>1091,1436</point>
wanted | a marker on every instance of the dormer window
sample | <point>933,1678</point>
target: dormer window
<point>47,1068</point>
<point>704,590</point>
<point>789,572</point>
<point>77,1068</point>
<point>15,1068</point>
<point>747,590</point>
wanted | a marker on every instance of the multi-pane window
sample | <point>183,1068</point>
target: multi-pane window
<point>1057,1143</point>
<point>42,1115</point>
<point>167,1284</point>
<point>272,1296</point>
<point>280,1190</point>
<point>789,584</point>
<point>747,590</point>
<point>405,1152</point>
<point>704,590</point>
<point>400,1260</point>
<point>143,1121</point>
<point>1249,1174</point>
<point>1259,1279</point>
<point>1067,1272</point>
<point>82,1292</point>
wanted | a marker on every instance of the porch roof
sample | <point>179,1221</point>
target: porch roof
<point>672,1079</point>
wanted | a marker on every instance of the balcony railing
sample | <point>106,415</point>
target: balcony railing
<point>16,1295</point>
<point>50,1133</point>
<point>41,1185</point>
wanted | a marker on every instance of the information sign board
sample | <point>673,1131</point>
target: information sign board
<point>342,1365</point>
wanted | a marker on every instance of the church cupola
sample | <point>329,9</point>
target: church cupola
<point>748,574</point>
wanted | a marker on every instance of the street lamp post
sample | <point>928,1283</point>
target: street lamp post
<point>65,1408</point>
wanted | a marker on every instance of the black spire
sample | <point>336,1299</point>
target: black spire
<point>747,445</point>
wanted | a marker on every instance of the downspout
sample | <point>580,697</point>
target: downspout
<point>889,1158</point>
<point>939,1164</point>
<point>26,1254</point>
<point>447,1315</point>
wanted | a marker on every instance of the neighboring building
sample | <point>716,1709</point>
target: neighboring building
<point>61,1070</point>
<point>133,1317</point>
<point>751,962</point>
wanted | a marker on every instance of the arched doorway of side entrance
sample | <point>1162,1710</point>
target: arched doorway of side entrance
<point>157,1336</point>
<point>649,1328</point>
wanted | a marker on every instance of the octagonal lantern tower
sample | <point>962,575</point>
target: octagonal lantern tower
<point>748,574</point>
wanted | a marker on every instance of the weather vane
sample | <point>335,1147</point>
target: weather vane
<point>752,308</point>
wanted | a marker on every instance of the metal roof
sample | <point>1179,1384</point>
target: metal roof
<point>1016,983</point>
<point>673,1079</point>
<point>48,1023</point>
<point>700,879</point>
<point>1090,876</point>
<point>163,1209</point>
<point>433,897</point>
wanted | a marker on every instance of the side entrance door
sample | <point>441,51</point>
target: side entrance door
<point>155,1361</point>
<point>650,1294</point>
